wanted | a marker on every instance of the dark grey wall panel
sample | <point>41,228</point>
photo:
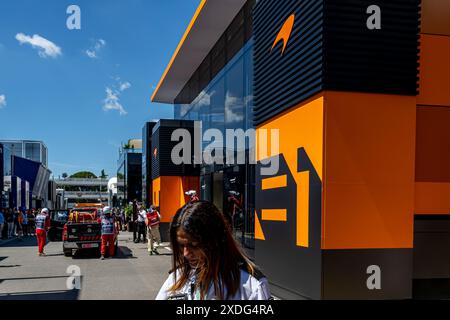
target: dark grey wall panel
<point>331,48</point>
<point>281,81</point>
<point>345,273</point>
<point>432,247</point>
<point>147,157</point>
<point>382,61</point>
<point>296,271</point>
<point>162,164</point>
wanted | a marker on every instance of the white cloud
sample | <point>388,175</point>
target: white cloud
<point>2,101</point>
<point>233,103</point>
<point>95,50</point>
<point>125,86</point>
<point>91,54</point>
<point>112,102</point>
<point>205,99</point>
<point>45,47</point>
<point>113,93</point>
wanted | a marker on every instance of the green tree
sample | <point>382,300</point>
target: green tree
<point>84,175</point>
<point>128,211</point>
<point>128,146</point>
<point>65,175</point>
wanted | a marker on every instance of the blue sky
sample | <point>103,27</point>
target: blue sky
<point>84,92</point>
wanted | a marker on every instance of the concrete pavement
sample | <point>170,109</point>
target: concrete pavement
<point>132,275</point>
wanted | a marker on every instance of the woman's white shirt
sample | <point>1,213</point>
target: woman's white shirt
<point>250,288</point>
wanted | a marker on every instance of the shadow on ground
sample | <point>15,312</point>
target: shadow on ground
<point>122,253</point>
<point>54,254</point>
<point>30,241</point>
<point>39,295</point>
<point>42,295</point>
<point>8,265</point>
<point>32,278</point>
<point>11,266</point>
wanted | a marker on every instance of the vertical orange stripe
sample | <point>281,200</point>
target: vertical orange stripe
<point>303,210</point>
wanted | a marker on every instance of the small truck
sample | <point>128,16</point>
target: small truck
<point>83,231</point>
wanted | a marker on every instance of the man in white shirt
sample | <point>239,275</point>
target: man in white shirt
<point>142,215</point>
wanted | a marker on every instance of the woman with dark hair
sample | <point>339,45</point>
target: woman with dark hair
<point>207,262</point>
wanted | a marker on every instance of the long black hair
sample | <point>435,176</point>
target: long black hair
<point>224,258</point>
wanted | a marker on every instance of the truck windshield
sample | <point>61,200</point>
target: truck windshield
<point>61,216</point>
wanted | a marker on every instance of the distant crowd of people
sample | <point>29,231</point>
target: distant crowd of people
<point>17,223</point>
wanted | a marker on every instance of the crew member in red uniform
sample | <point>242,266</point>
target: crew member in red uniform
<point>42,222</point>
<point>154,236</point>
<point>193,196</point>
<point>108,231</point>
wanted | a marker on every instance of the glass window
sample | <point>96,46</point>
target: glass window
<point>15,148</point>
<point>217,96</point>
<point>248,86</point>
<point>44,156</point>
<point>7,161</point>
<point>226,102</point>
<point>121,184</point>
<point>234,97</point>
<point>205,187</point>
<point>33,151</point>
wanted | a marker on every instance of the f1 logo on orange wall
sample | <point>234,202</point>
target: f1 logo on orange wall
<point>288,203</point>
<point>285,33</point>
<point>289,200</point>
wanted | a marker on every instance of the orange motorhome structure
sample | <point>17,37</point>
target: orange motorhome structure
<point>360,96</point>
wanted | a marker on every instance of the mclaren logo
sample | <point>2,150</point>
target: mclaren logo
<point>285,33</point>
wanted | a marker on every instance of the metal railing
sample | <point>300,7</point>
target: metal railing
<point>86,195</point>
<point>81,182</point>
